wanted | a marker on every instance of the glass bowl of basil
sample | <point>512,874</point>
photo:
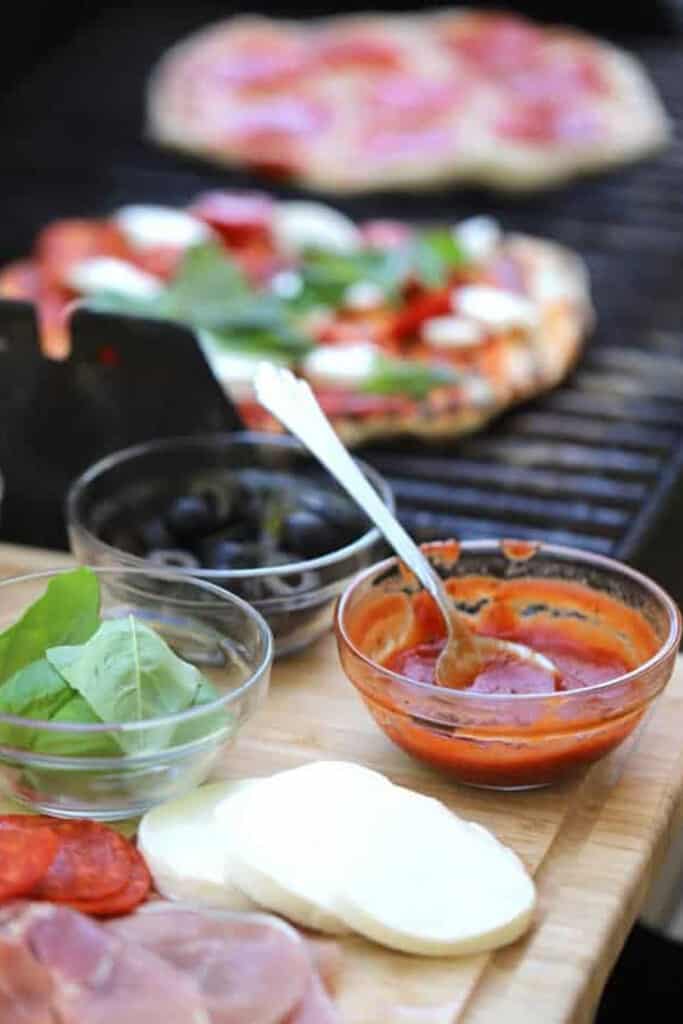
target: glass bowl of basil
<point>121,688</point>
<point>252,512</point>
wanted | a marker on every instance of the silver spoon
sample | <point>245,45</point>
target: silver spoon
<point>291,400</point>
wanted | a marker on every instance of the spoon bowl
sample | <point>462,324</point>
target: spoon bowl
<point>291,400</point>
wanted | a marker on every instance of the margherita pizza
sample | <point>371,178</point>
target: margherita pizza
<point>427,331</point>
<point>369,102</point>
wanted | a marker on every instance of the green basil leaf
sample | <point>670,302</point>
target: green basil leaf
<point>405,377</point>
<point>127,673</point>
<point>67,744</point>
<point>35,691</point>
<point>67,613</point>
<point>205,285</point>
<point>436,254</point>
<point>205,725</point>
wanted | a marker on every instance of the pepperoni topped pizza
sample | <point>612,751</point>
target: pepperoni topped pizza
<point>368,102</point>
<point>428,331</point>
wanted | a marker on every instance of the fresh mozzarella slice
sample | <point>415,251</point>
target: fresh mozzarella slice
<point>363,295</point>
<point>108,274</point>
<point>452,332</point>
<point>478,237</point>
<point>186,851</point>
<point>430,883</point>
<point>341,364</point>
<point>287,284</point>
<point>299,224</point>
<point>147,227</point>
<point>292,836</point>
<point>495,308</point>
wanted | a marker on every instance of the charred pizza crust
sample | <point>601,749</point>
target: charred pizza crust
<point>191,107</point>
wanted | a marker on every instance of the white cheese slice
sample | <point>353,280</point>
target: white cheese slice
<point>495,307</point>
<point>364,295</point>
<point>291,837</point>
<point>452,332</point>
<point>187,852</point>
<point>430,883</point>
<point>478,237</point>
<point>147,227</point>
<point>341,364</point>
<point>108,274</point>
<point>300,224</point>
<point>287,284</point>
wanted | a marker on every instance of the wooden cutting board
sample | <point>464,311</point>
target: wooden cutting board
<point>593,846</point>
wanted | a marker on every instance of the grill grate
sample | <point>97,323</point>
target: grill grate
<point>590,464</point>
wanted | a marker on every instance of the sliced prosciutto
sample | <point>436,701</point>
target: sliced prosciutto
<point>250,968</point>
<point>74,972</point>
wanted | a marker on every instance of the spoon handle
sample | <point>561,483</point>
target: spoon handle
<point>291,400</point>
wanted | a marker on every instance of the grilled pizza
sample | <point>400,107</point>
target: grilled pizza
<point>426,331</point>
<point>371,102</point>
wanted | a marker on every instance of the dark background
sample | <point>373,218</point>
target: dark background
<point>71,80</point>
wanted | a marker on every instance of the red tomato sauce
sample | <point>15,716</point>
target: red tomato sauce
<point>590,636</point>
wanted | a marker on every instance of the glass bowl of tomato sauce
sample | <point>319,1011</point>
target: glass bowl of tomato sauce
<point>611,632</point>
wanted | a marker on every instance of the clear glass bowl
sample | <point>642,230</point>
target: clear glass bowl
<point>297,599</point>
<point>228,642</point>
<point>518,741</point>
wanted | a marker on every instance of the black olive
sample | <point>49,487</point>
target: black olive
<point>227,498</point>
<point>153,534</point>
<point>229,554</point>
<point>173,558</point>
<point>348,521</point>
<point>307,534</point>
<point>191,515</point>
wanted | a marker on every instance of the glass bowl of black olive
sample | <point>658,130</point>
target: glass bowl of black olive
<point>253,513</point>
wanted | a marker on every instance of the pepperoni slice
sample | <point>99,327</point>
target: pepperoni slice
<point>26,854</point>
<point>286,116</point>
<point>358,51</point>
<point>134,892</point>
<point>92,862</point>
<point>385,234</point>
<point>496,44</point>
<point>237,217</point>
<point>262,67</point>
<point>63,244</point>
<point>401,96</point>
<point>548,121</point>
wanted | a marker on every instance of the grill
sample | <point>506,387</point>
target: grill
<point>592,463</point>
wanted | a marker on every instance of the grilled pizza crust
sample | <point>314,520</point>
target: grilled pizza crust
<point>636,122</point>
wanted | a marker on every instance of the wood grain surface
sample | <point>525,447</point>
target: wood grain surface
<point>593,846</point>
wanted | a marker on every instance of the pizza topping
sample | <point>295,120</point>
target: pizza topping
<point>108,274</point>
<point>404,96</point>
<point>545,121</point>
<point>452,332</point>
<point>92,861</point>
<point>364,295</point>
<point>347,365</point>
<point>262,66</point>
<point>133,893</point>
<point>497,44</point>
<point>25,856</point>
<point>479,238</point>
<point>358,49</point>
<point>149,227</point>
<point>495,308</point>
<point>66,243</point>
<point>396,145</point>
<point>287,284</point>
<point>301,224</point>
<point>283,117</point>
<point>238,217</point>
